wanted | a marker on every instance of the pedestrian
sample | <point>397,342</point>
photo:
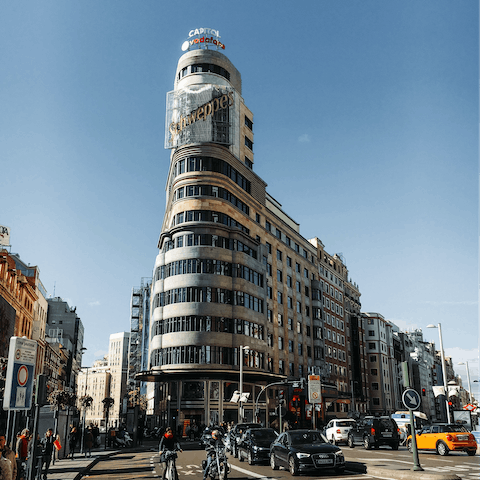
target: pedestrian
<point>47,450</point>
<point>22,452</point>
<point>72,440</point>
<point>88,441</point>
<point>7,454</point>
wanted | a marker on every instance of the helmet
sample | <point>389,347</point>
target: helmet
<point>215,434</point>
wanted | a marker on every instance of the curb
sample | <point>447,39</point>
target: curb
<point>399,473</point>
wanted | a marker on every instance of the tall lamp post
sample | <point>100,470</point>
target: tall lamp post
<point>444,370</point>
<point>240,403</point>
<point>468,380</point>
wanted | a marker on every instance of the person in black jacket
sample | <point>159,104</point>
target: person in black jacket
<point>168,442</point>
<point>47,450</point>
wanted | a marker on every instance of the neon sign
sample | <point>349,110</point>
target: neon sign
<point>203,38</point>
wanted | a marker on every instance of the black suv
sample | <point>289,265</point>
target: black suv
<point>374,432</point>
<point>254,445</point>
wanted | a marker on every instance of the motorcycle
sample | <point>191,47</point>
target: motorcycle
<point>218,468</point>
<point>126,441</point>
<point>169,457</point>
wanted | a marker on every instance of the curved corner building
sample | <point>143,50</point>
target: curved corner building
<point>235,295</point>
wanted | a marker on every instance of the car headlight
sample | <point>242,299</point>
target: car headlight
<point>302,455</point>
<point>255,448</point>
<point>339,452</point>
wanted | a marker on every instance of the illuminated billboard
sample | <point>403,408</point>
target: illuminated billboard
<point>200,114</point>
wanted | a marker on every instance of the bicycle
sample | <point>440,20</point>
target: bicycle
<point>169,457</point>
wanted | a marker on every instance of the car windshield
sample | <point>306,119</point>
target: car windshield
<point>301,438</point>
<point>264,435</point>
<point>385,423</point>
<point>345,424</point>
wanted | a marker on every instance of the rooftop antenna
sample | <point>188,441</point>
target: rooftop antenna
<point>54,285</point>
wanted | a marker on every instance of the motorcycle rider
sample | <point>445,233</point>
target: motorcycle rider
<point>168,442</point>
<point>210,447</point>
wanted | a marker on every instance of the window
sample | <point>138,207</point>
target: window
<point>375,386</point>
<point>290,346</point>
<point>269,269</point>
<point>299,307</point>
<point>289,281</point>
<point>280,297</point>
<point>269,247</point>
<point>279,255</point>
<point>298,287</point>
<point>371,333</point>
<point>270,316</point>
<point>290,323</point>
<point>289,302</point>
<point>308,331</point>
<point>288,241</point>
<point>270,340</point>
<point>299,327</point>
<point>280,320</point>
<point>371,345</point>
<point>297,247</point>
<point>279,276</point>
<point>248,163</point>
<point>248,123</point>
<point>300,349</point>
<point>269,292</point>
<point>248,143</point>
<point>278,233</point>
<point>373,358</point>
<point>257,217</point>
<point>280,343</point>
<point>289,262</point>
<point>376,401</point>
<point>373,371</point>
<point>268,226</point>
<point>297,267</point>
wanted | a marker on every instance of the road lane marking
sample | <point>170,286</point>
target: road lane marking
<point>249,472</point>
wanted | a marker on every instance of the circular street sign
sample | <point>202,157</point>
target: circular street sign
<point>314,394</point>
<point>411,399</point>
<point>22,375</point>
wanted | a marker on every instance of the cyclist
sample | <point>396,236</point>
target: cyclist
<point>168,443</point>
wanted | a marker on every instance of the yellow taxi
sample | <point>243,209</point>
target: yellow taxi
<point>444,438</point>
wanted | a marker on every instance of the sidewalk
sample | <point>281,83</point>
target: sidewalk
<point>67,469</point>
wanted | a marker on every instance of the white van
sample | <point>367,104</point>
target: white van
<point>337,430</point>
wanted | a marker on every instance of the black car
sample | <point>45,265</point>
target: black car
<point>305,450</point>
<point>236,433</point>
<point>374,432</point>
<point>255,443</point>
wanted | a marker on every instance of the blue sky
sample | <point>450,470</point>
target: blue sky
<point>366,131</point>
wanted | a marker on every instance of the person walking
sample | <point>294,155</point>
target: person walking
<point>22,452</point>
<point>88,441</point>
<point>7,454</point>
<point>72,440</point>
<point>47,450</point>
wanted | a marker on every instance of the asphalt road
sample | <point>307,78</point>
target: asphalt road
<point>131,465</point>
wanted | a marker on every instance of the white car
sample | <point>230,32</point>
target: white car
<point>337,430</point>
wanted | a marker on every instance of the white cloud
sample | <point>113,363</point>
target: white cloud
<point>96,303</point>
<point>305,138</point>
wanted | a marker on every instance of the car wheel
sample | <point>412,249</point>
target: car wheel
<point>366,443</point>
<point>292,466</point>
<point>350,442</point>
<point>250,458</point>
<point>273,462</point>
<point>442,449</point>
<point>471,453</point>
<point>409,446</point>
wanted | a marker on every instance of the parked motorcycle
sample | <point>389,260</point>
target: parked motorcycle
<point>126,441</point>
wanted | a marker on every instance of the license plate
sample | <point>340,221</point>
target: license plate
<point>387,434</point>
<point>462,438</point>
<point>324,460</point>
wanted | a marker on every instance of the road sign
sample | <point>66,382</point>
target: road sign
<point>22,356</point>
<point>411,399</point>
<point>314,389</point>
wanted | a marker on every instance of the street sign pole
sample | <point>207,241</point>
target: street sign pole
<point>411,400</point>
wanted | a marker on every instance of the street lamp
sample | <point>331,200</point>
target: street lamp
<point>444,370</point>
<point>468,380</point>
<point>240,403</point>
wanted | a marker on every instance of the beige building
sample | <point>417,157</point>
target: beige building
<point>239,296</point>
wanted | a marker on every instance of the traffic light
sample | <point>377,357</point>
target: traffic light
<point>281,395</point>
<point>423,392</point>
<point>42,391</point>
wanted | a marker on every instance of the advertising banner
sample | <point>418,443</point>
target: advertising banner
<point>22,356</point>
<point>4,236</point>
<point>200,114</point>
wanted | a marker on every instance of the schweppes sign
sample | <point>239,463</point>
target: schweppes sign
<point>201,113</point>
